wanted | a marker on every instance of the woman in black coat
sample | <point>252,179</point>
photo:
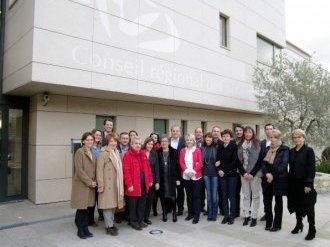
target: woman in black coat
<point>275,169</point>
<point>148,146</point>
<point>169,177</point>
<point>302,196</point>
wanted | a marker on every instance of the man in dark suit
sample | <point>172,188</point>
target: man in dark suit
<point>178,142</point>
<point>264,145</point>
<point>107,129</point>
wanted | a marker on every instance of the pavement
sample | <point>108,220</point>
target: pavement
<point>25,224</point>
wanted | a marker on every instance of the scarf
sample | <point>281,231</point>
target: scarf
<point>270,156</point>
<point>120,184</point>
<point>246,146</point>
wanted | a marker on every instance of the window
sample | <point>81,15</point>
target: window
<point>183,128</point>
<point>160,126</point>
<point>267,51</point>
<point>224,20</point>
<point>100,119</point>
<point>258,131</point>
<point>204,127</point>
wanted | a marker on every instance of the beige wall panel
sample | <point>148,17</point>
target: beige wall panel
<point>144,126</point>
<point>192,125</point>
<point>50,162</point>
<point>92,106</point>
<point>57,128</point>
<point>124,123</point>
<point>135,109</point>
<point>56,103</point>
<point>53,190</point>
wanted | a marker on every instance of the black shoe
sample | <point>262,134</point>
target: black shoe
<point>205,213</point>
<point>311,233</point>
<point>136,226</point>
<point>267,228</point>
<point>143,225</point>
<point>263,218</point>
<point>87,233</point>
<point>246,221</point>
<point>164,217</point>
<point>225,220</point>
<point>175,219</point>
<point>81,233</point>
<point>195,221</point>
<point>231,221</point>
<point>188,218</point>
<point>253,222</point>
<point>274,229</point>
<point>297,228</point>
<point>179,213</point>
<point>147,221</point>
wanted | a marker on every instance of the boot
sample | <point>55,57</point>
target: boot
<point>87,233</point>
<point>299,225</point>
<point>174,211</point>
<point>311,233</point>
<point>162,201</point>
<point>81,233</point>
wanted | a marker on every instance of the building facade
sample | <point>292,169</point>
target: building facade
<point>149,64</point>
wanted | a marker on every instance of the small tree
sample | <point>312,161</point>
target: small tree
<point>295,94</point>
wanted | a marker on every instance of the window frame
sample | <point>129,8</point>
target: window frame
<point>224,30</point>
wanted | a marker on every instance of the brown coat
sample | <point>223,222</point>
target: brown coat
<point>109,175</point>
<point>83,196</point>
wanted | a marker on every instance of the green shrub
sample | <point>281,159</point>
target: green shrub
<point>324,167</point>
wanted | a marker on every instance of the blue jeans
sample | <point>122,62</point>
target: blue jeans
<point>211,184</point>
<point>228,188</point>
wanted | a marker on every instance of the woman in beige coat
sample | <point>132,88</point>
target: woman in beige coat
<point>83,184</point>
<point>109,174</point>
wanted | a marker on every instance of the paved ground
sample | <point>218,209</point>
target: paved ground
<point>26,224</point>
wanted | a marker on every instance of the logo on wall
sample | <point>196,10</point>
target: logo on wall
<point>166,45</point>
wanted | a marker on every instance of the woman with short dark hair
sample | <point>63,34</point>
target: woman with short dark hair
<point>83,184</point>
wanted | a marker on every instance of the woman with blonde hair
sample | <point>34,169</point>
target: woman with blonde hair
<point>275,169</point>
<point>191,163</point>
<point>302,195</point>
<point>109,175</point>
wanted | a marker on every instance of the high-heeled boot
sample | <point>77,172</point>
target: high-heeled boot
<point>311,233</point>
<point>174,211</point>
<point>299,225</point>
<point>162,202</point>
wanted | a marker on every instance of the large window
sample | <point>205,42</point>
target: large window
<point>224,33</point>
<point>160,126</point>
<point>183,128</point>
<point>267,51</point>
<point>204,127</point>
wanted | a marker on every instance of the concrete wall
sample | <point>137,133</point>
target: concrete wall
<point>65,117</point>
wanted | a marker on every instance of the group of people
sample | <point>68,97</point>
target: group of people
<point>127,177</point>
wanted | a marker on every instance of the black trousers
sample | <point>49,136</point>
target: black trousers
<point>136,208</point>
<point>264,187</point>
<point>81,218</point>
<point>238,197</point>
<point>220,199</point>
<point>149,202</point>
<point>91,211</point>
<point>310,218</point>
<point>180,195</point>
<point>203,195</point>
<point>193,191</point>
<point>272,221</point>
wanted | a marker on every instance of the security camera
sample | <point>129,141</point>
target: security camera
<point>45,99</point>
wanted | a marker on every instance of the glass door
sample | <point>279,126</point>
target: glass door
<point>13,154</point>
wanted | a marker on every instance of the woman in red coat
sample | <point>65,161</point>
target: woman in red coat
<point>137,180</point>
<point>191,163</point>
